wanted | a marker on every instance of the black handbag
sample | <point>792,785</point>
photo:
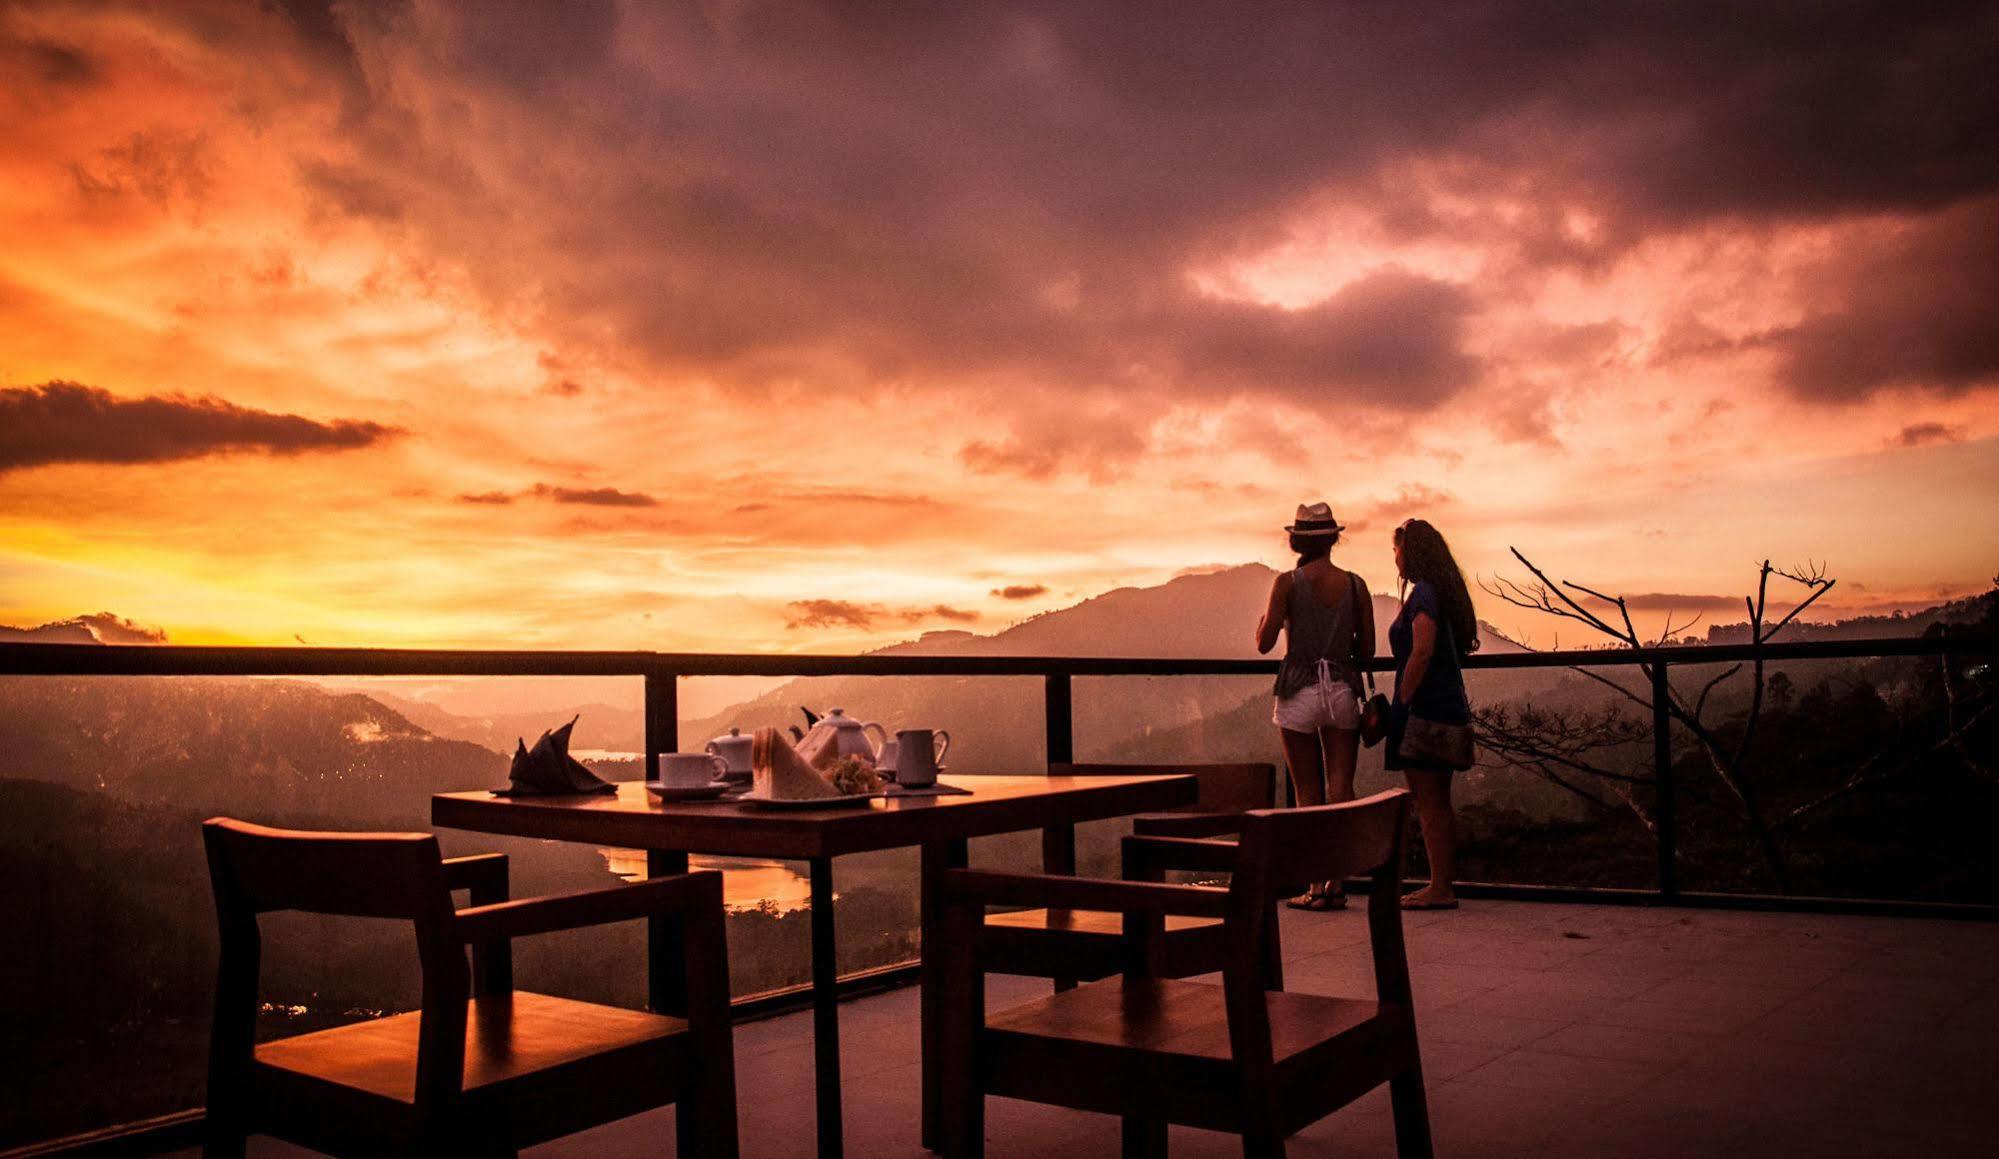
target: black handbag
<point>1374,710</point>
<point>1374,716</point>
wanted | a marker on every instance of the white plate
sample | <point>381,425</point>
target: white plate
<point>808,802</point>
<point>706,792</point>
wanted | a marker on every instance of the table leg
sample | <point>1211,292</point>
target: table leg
<point>825,1010</point>
<point>666,947</point>
<point>938,856</point>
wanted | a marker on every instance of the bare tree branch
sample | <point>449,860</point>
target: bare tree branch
<point>1700,705</point>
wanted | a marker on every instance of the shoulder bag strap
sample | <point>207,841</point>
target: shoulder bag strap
<point>1358,594</point>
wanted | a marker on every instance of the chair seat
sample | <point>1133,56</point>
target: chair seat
<point>1091,1047</point>
<point>1174,1017</point>
<point>1084,922</point>
<point>506,1039</point>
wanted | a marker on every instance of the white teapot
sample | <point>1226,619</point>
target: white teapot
<point>734,749</point>
<point>837,735</point>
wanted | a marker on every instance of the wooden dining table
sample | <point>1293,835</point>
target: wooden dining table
<point>940,826</point>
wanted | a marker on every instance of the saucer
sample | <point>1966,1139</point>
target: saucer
<point>707,792</point>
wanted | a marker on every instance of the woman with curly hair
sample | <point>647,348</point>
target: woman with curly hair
<point>1430,637</point>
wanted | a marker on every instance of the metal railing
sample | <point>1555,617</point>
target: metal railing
<point>662,671</point>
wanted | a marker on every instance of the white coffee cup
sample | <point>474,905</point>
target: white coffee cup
<point>690,770</point>
<point>918,750</point>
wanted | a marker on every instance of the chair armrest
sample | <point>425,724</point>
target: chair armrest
<point>1186,824</point>
<point>541,915</point>
<point>482,873</point>
<point>970,887</point>
<point>1145,855</point>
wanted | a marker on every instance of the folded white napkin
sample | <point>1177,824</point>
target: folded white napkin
<point>777,772</point>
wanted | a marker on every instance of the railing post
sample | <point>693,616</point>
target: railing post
<point>662,719</point>
<point>1059,726</point>
<point>1662,781</point>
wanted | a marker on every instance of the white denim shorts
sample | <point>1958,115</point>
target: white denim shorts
<point>1324,703</point>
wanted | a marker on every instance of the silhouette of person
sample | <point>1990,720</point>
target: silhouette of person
<point>1327,618</point>
<point>1429,637</point>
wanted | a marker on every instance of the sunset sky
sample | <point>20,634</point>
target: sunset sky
<point>743,326</point>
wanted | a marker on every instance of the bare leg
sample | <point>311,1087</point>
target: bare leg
<point>1307,762</point>
<point>1342,749</point>
<point>1306,758</point>
<point>1440,843</point>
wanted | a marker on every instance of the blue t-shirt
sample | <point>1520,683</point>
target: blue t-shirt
<point>1442,695</point>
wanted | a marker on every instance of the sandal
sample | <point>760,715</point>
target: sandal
<point>1318,902</point>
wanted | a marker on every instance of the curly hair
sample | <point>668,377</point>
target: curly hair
<point>1426,558</point>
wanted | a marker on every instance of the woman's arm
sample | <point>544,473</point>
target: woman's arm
<point>1422,645</point>
<point>1273,616</point>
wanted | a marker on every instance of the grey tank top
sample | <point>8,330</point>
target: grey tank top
<point>1314,632</point>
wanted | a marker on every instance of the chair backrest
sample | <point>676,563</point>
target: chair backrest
<point>255,869</point>
<point>1224,788</point>
<point>373,875</point>
<point>1285,850</point>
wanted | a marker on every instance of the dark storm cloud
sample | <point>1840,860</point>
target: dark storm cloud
<point>56,65</point>
<point>1923,312</point>
<point>67,422</point>
<point>1392,338</point>
<point>770,194</point>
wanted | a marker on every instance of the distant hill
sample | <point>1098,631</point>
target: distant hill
<point>1207,616</point>
<point>996,723</point>
<point>271,749</point>
<point>1969,610</point>
<point>600,726</point>
<point>96,628</point>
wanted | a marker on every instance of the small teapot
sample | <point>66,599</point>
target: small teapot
<point>837,735</point>
<point>734,750</point>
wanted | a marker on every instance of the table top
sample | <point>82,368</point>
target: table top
<point>633,818</point>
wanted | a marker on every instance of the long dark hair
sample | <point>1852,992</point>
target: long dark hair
<point>1426,558</point>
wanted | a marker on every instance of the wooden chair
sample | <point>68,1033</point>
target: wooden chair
<point>482,1068</point>
<point>1236,1057</point>
<point>1071,944</point>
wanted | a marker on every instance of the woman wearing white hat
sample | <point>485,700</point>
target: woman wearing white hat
<point>1328,621</point>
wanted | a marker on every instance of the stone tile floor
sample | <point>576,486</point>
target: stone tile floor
<point>1547,1030</point>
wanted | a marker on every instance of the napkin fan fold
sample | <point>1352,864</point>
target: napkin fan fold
<point>547,769</point>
